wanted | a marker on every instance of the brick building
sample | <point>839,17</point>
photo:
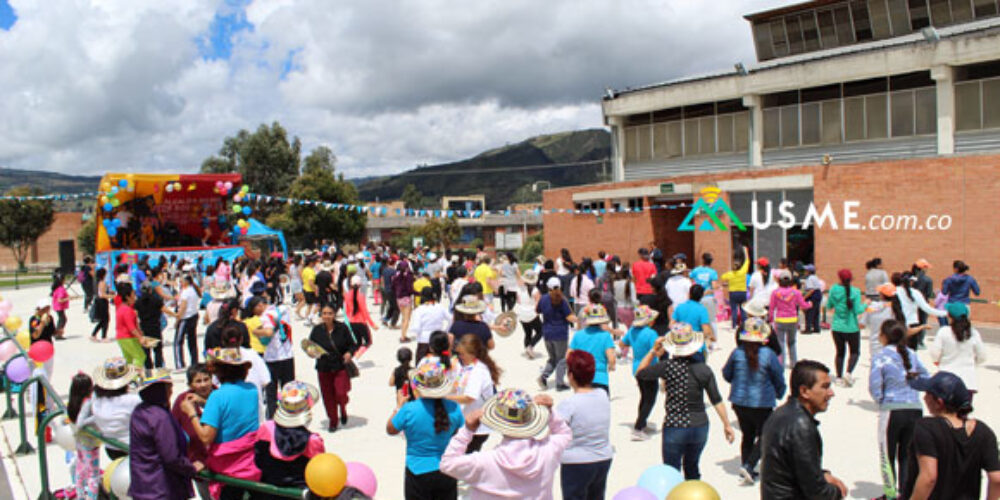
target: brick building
<point>886,110</point>
<point>45,252</point>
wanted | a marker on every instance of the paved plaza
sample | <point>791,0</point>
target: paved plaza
<point>848,428</point>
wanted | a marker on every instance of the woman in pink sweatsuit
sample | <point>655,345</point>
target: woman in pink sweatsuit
<point>784,313</point>
<point>523,465</point>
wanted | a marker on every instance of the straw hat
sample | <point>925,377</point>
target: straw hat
<point>227,356</point>
<point>149,378</point>
<point>682,340</point>
<point>295,401</point>
<point>513,413</point>
<point>644,315</point>
<point>755,329</point>
<point>755,308</point>
<point>432,379</point>
<point>530,277</point>
<point>222,291</point>
<point>312,349</point>
<point>595,314</point>
<point>680,268</point>
<point>114,374</point>
<point>505,323</point>
<point>471,305</point>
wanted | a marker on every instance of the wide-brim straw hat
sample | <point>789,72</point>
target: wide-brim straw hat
<point>505,323</point>
<point>312,349</point>
<point>755,308</point>
<point>223,292</point>
<point>682,340</point>
<point>227,356</point>
<point>114,374</point>
<point>471,305</point>
<point>530,277</point>
<point>514,414</point>
<point>644,315</point>
<point>680,268</point>
<point>755,329</point>
<point>295,402</point>
<point>432,379</point>
<point>149,378</point>
<point>595,314</point>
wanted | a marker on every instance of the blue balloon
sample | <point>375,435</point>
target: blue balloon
<point>116,222</point>
<point>112,232</point>
<point>246,210</point>
<point>634,493</point>
<point>114,190</point>
<point>108,207</point>
<point>660,479</point>
<point>123,183</point>
<point>106,222</point>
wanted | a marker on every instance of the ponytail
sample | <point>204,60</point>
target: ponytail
<point>894,332</point>
<point>765,274</point>
<point>357,291</point>
<point>897,309</point>
<point>846,283</point>
<point>752,351</point>
<point>441,421</point>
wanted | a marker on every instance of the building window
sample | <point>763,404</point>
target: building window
<point>842,21</point>
<point>961,11</point>
<point>862,25</point>
<point>645,133</point>
<point>589,206</point>
<point>796,44</point>
<point>902,113</point>
<point>940,12</point>
<point>984,8</point>
<point>900,17</point>
<point>977,104</point>
<point>878,13</point>
<point>919,14</point>
<point>810,33</point>
<point>827,31</point>
<point>635,204</point>
<point>778,39</point>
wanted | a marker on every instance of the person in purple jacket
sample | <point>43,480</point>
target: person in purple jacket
<point>158,462</point>
<point>958,285</point>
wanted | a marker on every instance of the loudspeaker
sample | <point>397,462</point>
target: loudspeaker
<point>67,256</point>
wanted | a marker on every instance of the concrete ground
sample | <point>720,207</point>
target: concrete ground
<point>848,428</point>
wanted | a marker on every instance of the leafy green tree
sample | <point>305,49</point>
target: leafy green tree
<point>412,197</point>
<point>440,232</point>
<point>23,222</point>
<point>267,159</point>
<point>85,237</point>
<point>532,248</point>
<point>304,224</point>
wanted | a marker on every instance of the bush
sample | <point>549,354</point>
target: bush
<point>532,248</point>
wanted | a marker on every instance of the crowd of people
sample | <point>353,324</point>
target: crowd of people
<point>246,414</point>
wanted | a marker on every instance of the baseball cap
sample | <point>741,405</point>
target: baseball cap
<point>945,386</point>
<point>957,309</point>
<point>923,264</point>
<point>887,289</point>
<point>763,261</point>
<point>553,282</point>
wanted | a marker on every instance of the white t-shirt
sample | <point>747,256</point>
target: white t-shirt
<point>957,357</point>
<point>113,415</point>
<point>525,307</point>
<point>761,292</point>
<point>476,383</point>
<point>191,302</point>
<point>456,288</point>
<point>678,288</point>
<point>428,318</point>
<point>276,350</point>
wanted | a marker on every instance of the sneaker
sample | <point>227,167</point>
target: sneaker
<point>650,429</point>
<point>542,384</point>
<point>639,435</point>
<point>746,475</point>
<point>848,380</point>
<point>838,381</point>
<point>562,387</point>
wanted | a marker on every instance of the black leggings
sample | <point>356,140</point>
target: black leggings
<point>751,426</point>
<point>102,326</point>
<point>898,437</point>
<point>362,336</point>
<point>843,340</point>
<point>282,372</point>
<point>508,300</point>
<point>532,332</point>
<point>647,399</point>
<point>433,485</point>
<point>61,322</point>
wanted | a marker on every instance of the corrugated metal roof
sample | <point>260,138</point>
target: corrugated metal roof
<point>978,26</point>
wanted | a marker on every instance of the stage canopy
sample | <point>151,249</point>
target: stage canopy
<point>257,231</point>
<point>146,211</point>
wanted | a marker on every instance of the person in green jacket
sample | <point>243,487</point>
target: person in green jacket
<point>845,300</point>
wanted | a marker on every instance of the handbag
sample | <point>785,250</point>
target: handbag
<point>349,366</point>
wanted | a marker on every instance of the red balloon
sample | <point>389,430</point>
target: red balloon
<point>41,351</point>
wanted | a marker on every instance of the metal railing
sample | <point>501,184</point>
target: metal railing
<point>25,448</point>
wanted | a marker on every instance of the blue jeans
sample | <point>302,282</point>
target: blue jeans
<point>684,443</point>
<point>736,300</point>
<point>584,481</point>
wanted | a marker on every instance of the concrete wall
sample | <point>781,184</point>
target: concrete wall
<point>964,188</point>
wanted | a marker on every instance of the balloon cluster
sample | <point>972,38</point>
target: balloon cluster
<point>116,478</point>
<point>327,475</point>
<point>241,210</point>
<point>111,226</point>
<point>173,186</point>
<point>663,482</point>
<point>16,367</point>
<point>223,188</point>
<point>109,192</point>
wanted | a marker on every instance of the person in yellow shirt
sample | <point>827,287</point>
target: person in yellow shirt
<point>308,288</point>
<point>422,282</point>
<point>486,276</point>
<point>260,332</point>
<point>736,281</point>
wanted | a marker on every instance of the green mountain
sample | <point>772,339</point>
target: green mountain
<point>505,174</point>
<point>50,182</point>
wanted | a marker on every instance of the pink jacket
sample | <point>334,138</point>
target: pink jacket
<point>524,469</point>
<point>233,458</point>
<point>783,303</point>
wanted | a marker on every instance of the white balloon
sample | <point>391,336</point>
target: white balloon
<point>64,434</point>
<point>120,479</point>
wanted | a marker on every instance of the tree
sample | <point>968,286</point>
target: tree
<point>440,232</point>
<point>267,160</point>
<point>23,222</point>
<point>85,237</point>
<point>412,198</point>
<point>532,248</point>
<point>305,223</point>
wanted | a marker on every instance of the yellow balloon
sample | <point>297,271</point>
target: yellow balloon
<point>693,490</point>
<point>23,339</point>
<point>106,479</point>
<point>12,324</point>
<point>326,475</point>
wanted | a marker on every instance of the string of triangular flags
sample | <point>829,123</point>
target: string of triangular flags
<point>52,197</point>
<point>382,211</point>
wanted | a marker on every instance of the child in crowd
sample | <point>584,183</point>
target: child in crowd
<point>400,378</point>
<point>87,464</point>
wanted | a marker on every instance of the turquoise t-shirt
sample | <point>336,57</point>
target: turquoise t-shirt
<point>424,447</point>
<point>233,410</point>
<point>641,339</point>
<point>704,276</point>
<point>692,313</point>
<point>596,341</point>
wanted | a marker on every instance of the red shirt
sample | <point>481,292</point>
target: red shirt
<point>126,321</point>
<point>643,270</point>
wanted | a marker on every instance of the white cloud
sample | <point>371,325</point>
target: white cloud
<point>108,85</point>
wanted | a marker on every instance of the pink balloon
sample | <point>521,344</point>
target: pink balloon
<point>360,476</point>
<point>7,350</point>
<point>41,351</point>
<point>3,316</point>
<point>228,185</point>
<point>17,370</point>
<point>6,305</point>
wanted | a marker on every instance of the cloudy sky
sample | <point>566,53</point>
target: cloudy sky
<point>121,85</point>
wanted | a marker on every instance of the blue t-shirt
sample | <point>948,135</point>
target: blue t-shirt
<point>554,324</point>
<point>704,276</point>
<point>232,410</point>
<point>424,447</point>
<point>599,267</point>
<point>641,339</point>
<point>596,341</point>
<point>692,313</point>
<point>138,278</point>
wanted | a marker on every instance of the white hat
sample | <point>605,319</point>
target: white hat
<point>553,282</point>
<point>42,304</point>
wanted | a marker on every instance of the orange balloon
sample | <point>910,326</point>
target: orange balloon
<point>326,475</point>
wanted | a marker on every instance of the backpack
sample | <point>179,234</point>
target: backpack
<point>81,275</point>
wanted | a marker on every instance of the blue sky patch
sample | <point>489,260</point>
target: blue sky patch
<point>289,64</point>
<point>7,15</point>
<point>228,22</point>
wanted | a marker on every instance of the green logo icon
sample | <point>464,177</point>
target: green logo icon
<point>710,204</point>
